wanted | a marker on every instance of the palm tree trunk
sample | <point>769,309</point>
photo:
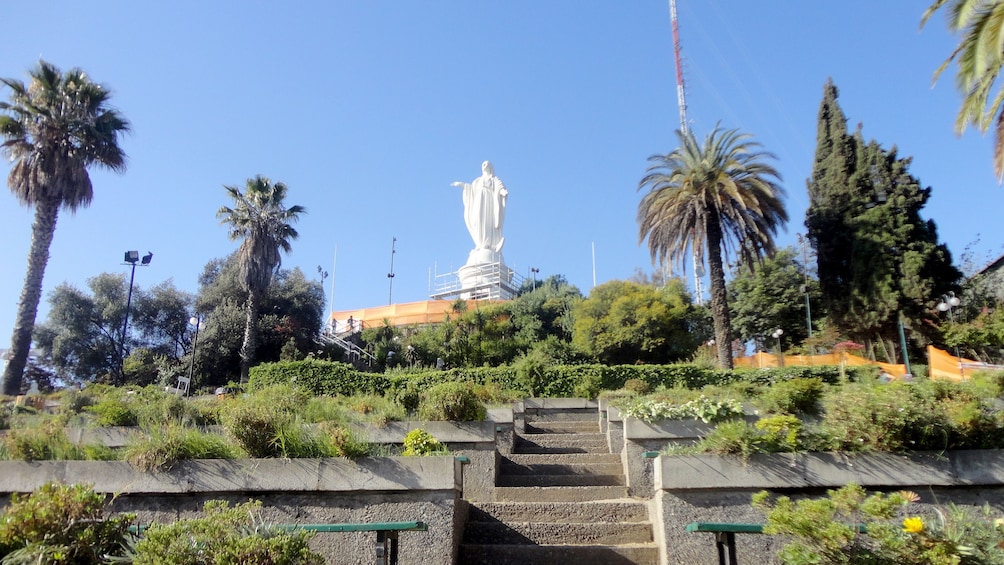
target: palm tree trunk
<point>719,299</point>
<point>42,231</point>
<point>250,334</point>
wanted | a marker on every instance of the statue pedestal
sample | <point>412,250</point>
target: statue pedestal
<point>485,276</point>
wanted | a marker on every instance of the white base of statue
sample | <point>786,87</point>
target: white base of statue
<point>485,276</point>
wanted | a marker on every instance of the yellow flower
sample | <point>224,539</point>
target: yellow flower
<point>913,524</point>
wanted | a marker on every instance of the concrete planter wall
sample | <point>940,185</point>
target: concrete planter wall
<point>474,440</point>
<point>707,488</point>
<point>292,491</point>
<point>641,437</point>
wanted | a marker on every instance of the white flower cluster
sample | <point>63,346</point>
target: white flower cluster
<point>702,408</point>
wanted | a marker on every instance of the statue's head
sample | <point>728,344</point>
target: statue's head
<point>487,168</point>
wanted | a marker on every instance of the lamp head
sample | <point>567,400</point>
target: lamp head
<point>131,257</point>
<point>147,258</point>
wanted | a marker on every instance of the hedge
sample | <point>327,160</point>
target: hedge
<point>331,378</point>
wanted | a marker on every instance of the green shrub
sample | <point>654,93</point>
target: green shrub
<point>165,447</point>
<point>60,524</point>
<point>451,401</point>
<point>224,535</point>
<point>339,441</point>
<point>47,442</point>
<point>702,408</point>
<point>317,377</point>
<point>254,426</point>
<point>732,438</point>
<point>826,530</point>
<point>780,432</point>
<point>637,386</point>
<point>112,411</point>
<point>419,442</point>
<point>797,396</point>
<point>884,417</point>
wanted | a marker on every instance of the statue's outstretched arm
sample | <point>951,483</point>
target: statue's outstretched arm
<point>458,183</point>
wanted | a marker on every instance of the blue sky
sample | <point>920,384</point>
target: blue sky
<point>368,110</point>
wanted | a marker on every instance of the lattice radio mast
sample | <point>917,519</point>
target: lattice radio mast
<point>681,100</point>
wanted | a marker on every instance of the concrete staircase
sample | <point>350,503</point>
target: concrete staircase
<point>560,497</point>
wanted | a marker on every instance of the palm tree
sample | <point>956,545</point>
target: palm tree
<point>721,196</point>
<point>260,219</point>
<point>53,129</point>
<point>979,58</point>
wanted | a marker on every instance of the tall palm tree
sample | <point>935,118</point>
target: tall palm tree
<point>53,129</point>
<point>721,197</point>
<point>261,221</point>
<point>979,57</point>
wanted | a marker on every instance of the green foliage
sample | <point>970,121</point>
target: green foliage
<point>831,530</point>
<point>317,377</point>
<point>768,295</point>
<point>81,336</point>
<point>455,402</point>
<point>732,438</point>
<point>419,442</point>
<point>637,386</point>
<point>625,322</point>
<point>795,396</point>
<point>780,432</point>
<point>60,524</point>
<point>701,408</point>
<point>292,307</point>
<point>45,442</point>
<point>112,412</point>
<point>229,535</point>
<point>891,417</point>
<point>878,260</point>
<point>357,408</point>
<point>164,447</point>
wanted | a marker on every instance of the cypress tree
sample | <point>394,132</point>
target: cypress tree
<point>877,258</point>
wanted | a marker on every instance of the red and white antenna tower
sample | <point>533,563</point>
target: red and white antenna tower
<point>681,100</point>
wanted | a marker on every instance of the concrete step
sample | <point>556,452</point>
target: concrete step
<point>559,494</point>
<point>635,554</point>
<point>592,469</point>
<point>584,459</point>
<point>549,533</point>
<point>560,480</point>
<point>561,443</point>
<point>563,427</point>
<point>560,512</point>
<point>559,415</point>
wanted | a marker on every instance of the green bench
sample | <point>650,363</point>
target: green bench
<point>725,537</point>
<point>386,534</point>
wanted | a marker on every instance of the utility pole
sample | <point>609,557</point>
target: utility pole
<point>390,275</point>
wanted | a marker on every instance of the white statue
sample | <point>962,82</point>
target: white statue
<point>484,208</point>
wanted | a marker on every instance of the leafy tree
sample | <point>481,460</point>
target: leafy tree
<point>81,338</point>
<point>261,221</point>
<point>979,58</point>
<point>720,196</point>
<point>53,129</point>
<point>769,296</point>
<point>292,308</point>
<point>623,322</point>
<point>878,260</point>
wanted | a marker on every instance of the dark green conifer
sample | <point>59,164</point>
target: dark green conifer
<point>877,258</point>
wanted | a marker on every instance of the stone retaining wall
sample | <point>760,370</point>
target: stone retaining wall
<point>293,491</point>
<point>707,488</point>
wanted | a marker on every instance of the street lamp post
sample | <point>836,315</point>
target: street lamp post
<point>780,356</point>
<point>131,257</point>
<point>533,272</point>
<point>948,303</point>
<point>197,322</point>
